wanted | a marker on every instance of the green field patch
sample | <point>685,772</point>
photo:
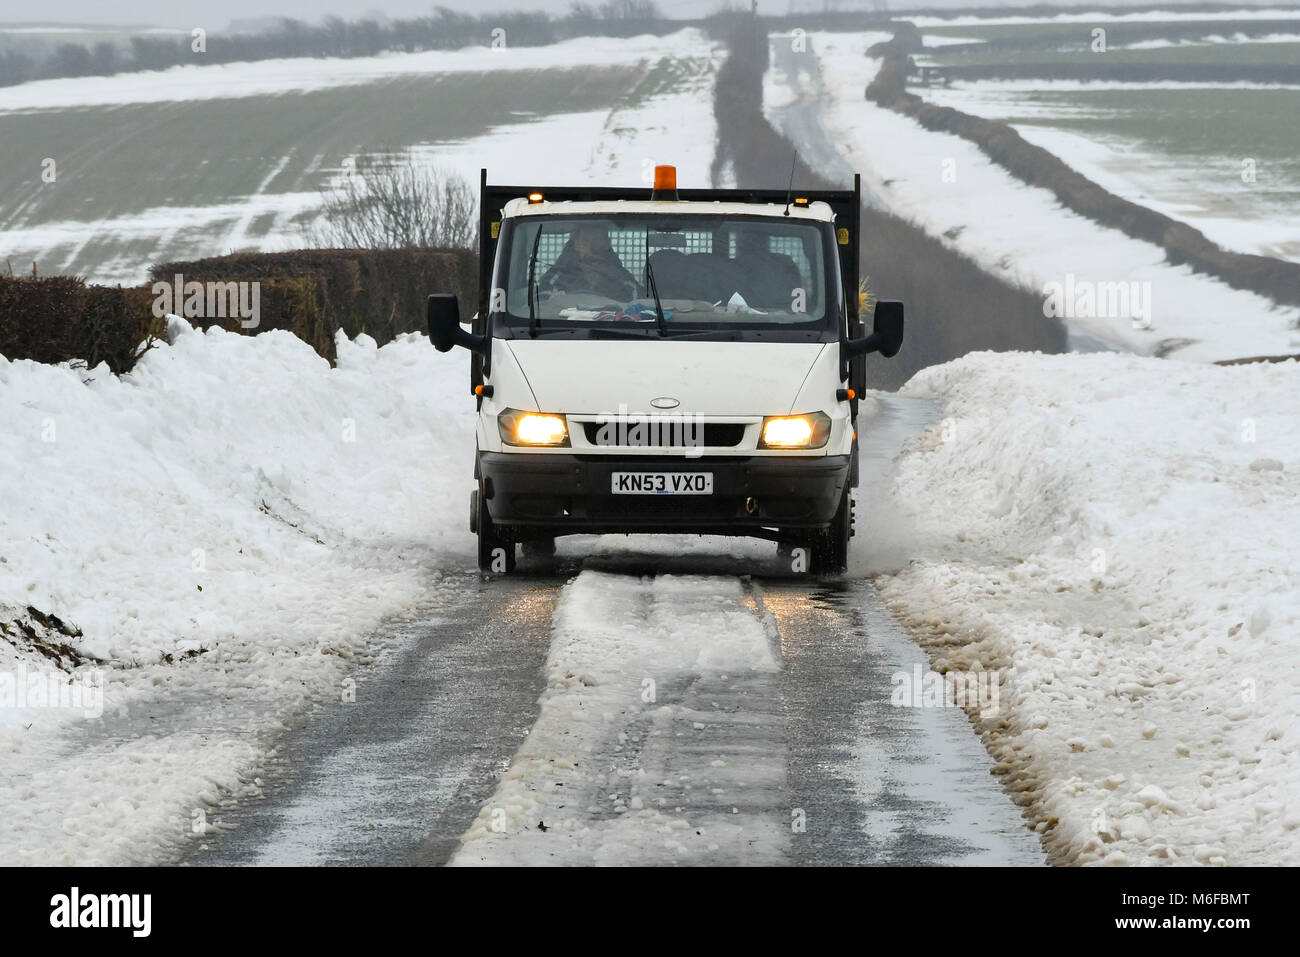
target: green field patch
<point>1227,122</point>
<point>117,160</point>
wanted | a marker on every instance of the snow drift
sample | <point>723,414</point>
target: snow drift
<point>1116,536</point>
<point>224,526</point>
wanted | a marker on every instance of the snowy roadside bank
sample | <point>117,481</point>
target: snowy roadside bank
<point>224,526</point>
<point>1115,536</point>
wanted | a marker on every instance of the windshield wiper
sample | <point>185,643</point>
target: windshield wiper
<point>588,330</point>
<point>603,332</point>
<point>654,288</point>
<point>707,334</point>
<point>534,321</point>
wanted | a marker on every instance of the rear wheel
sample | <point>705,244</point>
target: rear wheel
<point>496,552</point>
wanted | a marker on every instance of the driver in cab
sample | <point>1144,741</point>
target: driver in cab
<point>588,264</point>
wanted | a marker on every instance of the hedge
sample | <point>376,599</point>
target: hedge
<point>58,318</point>
<point>312,293</point>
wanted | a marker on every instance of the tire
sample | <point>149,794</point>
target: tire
<point>831,548</point>
<point>492,545</point>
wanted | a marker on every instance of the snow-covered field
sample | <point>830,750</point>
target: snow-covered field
<point>952,189</point>
<point>616,147</point>
<point>1206,192</point>
<point>225,525</point>
<point>667,117</point>
<point>1115,537</point>
<point>225,81</point>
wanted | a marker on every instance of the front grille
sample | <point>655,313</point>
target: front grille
<point>672,434</point>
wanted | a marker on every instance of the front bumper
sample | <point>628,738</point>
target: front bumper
<point>558,493</point>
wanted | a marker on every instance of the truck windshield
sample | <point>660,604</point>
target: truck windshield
<point>667,272</point>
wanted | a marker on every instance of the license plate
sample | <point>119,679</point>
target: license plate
<point>661,483</point>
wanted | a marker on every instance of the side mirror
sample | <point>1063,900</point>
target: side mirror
<point>444,325</point>
<point>886,332</point>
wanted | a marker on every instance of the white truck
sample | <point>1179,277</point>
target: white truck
<point>683,361</point>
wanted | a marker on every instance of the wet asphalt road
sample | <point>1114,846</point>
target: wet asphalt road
<point>396,777</point>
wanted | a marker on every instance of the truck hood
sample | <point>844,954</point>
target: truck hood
<point>706,378</point>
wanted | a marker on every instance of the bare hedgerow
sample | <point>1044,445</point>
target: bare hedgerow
<point>387,201</point>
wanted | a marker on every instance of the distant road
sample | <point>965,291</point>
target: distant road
<point>801,121</point>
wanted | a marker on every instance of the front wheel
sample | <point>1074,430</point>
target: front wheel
<point>831,546</point>
<point>496,553</point>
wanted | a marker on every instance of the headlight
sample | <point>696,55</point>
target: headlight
<point>532,428</point>
<point>796,431</point>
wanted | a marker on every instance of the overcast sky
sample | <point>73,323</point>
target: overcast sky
<point>213,15</point>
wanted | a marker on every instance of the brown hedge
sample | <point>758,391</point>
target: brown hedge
<point>57,318</point>
<point>310,293</point>
<point>313,292</point>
